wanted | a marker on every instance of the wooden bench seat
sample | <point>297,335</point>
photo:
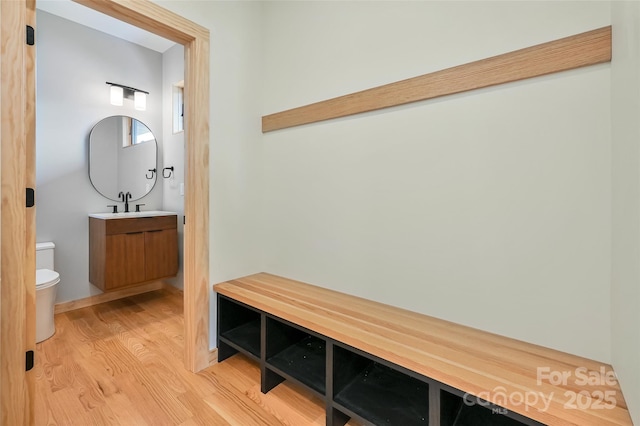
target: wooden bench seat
<point>498,369</point>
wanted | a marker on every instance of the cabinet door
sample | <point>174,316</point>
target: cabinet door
<point>124,260</point>
<point>161,253</point>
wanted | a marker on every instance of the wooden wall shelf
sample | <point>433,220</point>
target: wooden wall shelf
<point>589,48</point>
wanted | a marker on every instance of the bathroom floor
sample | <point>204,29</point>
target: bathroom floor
<point>120,363</point>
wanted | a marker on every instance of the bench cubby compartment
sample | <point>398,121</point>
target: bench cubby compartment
<point>376,392</point>
<point>238,329</point>
<point>295,353</point>
<point>454,411</point>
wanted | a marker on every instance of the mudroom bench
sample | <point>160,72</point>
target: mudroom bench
<point>383,365</point>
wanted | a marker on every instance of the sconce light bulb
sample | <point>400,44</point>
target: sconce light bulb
<point>140,101</point>
<point>117,96</point>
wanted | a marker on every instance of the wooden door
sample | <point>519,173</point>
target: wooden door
<point>17,221</point>
<point>161,253</point>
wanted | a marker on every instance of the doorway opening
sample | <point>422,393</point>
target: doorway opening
<point>192,189</point>
<point>17,220</point>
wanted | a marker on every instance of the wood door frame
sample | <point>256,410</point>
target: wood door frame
<point>195,38</point>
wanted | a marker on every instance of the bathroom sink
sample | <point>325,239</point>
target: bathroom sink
<point>150,213</point>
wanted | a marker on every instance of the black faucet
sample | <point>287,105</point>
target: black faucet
<point>125,198</point>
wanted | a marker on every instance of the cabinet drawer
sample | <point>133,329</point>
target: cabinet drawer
<point>140,224</point>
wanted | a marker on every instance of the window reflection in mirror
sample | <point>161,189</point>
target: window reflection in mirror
<point>134,132</point>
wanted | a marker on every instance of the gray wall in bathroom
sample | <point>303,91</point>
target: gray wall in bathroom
<point>173,146</point>
<point>73,64</point>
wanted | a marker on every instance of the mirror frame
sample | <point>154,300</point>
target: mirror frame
<point>155,140</point>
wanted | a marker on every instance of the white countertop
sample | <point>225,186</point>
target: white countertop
<point>130,215</point>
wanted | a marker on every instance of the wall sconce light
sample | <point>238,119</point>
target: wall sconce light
<point>119,92</point>
<point>116,95</point>
<point>140,101</point>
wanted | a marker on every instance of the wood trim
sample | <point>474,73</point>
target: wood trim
<point>151,17</point>
<point>213,356</point>
<point>196,228</point>
<point>16,399</point>
<point>109,296</point>
<point>195,38</point>
<point>589,48</point>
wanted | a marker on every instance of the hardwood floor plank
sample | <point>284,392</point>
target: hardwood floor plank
<point>46,413</point>
<point>238,409</point>
<point>277,402</point>
<point>121,363</point>
<point>243,374</point>
<point>202,412</point>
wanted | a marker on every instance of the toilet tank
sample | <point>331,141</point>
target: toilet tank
<point>44,255</point>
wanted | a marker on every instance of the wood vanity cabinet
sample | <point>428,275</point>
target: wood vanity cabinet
<point>127,251</point>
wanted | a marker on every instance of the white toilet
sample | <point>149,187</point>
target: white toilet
<point>46,286</point>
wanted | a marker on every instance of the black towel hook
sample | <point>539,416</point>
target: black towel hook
<point>153,172</point>
<point>166,176</point>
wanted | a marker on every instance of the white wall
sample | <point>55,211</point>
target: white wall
<point>73,64</point>
<point>490,208</point>
<point>625,286</point>
<point>236,140</point>
<point>173,147</point>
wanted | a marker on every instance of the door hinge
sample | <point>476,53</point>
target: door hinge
<point>31,35</point>
<point>31,197</point>
<point>184,220</point>
<point>29,361</point>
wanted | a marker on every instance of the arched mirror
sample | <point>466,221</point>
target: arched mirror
<point>122,157</point>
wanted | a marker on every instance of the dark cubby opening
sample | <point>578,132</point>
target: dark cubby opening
<point>454,411</point>
<point>377,393</point>
<point>296,353</point>
<point>239,325</point>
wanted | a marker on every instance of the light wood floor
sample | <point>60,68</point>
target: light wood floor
<point>120,363</point>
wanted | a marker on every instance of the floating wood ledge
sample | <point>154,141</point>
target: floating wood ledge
<point>589,48</point>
